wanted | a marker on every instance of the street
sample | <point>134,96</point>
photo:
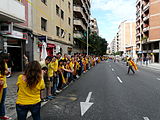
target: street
<point>115,96</point>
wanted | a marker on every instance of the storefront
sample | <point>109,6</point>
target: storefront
<point>15,44</point>
<point>50,48</point>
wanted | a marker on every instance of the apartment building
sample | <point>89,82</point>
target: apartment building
<point>15,31</point>
<point>53,24</point>
<point>127,38</point>
<point>94,26</point>
<point>148,29</point>
<point>81,18</point>
<point>113,46</point>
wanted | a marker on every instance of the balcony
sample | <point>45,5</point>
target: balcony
<point>78,22</point>
<point>80,10</point>
<point>146,7</point>
<point>138,19</point>
<point>138,34</point>
<point>146,18</point>
<point>78,35</point>
<point>138,1</point>
<point>138,26</point>
<point>146,29</point>
<point>12,11</point>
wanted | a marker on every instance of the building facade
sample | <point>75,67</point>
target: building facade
<point>81,18</point>
<point>94,26</point>
<point>148,29</point>
<point>53,24</point>
<point>127,38</point>
<point>16,31</point>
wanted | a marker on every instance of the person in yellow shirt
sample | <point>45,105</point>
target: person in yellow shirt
<point>50,77</point>
<point>130,65</point>
<point>30,85</point>
<point>3,84</point>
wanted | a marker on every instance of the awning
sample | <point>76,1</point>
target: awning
<point>49,45</point>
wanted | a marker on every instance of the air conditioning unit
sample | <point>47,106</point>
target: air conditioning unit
<point>6,28</point>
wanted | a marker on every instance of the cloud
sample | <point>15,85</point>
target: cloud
<point>115,11</point>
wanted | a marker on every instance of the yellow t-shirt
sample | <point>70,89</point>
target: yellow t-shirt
<point>50,69</point>
<point>55,65</point>
<point>27,96</point>
<point>3,77</point>
<point>71,65</point>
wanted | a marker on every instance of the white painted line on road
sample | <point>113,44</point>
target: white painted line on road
<point>119,79</point>
<point>145,118</point>
<point>158,78</point>
<point>113,69</point>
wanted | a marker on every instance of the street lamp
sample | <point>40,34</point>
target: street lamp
<point>88,27</point>
<point>87,37</point>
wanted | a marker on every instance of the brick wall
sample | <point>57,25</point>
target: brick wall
<point>154,20</point>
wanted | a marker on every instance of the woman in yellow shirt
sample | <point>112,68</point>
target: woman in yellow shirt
<point>29,85</point>
<point>3,84</point>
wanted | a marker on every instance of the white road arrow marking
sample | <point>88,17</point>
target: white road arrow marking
<point>112,69</point>
<point>119,79</point>
<point>86,105</point>
<point>145,118</point>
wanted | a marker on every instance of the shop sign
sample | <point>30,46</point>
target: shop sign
<point>16,34</point>
<point>42,38</point>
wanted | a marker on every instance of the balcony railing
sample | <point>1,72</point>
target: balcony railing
<point>146,29</point>
<point>80,9</point>
<point>138,34</point>
<point>146,7</point>
<point>137,1</point>
<point>12,11</point>
<point>79,23</point>
<point>78,35</point>
<point>146,18</point>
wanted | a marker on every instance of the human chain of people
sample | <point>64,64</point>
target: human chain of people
<point>42,81</point>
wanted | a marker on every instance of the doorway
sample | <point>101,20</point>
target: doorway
<point>156,56</point>
<point>16,57</point>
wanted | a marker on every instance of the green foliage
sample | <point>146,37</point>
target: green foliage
<point>144,38</point>
<point>98,45</point>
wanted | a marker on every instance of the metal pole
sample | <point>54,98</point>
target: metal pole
<point>87,39</point>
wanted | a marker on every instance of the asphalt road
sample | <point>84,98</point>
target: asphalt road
<point>115,95</point>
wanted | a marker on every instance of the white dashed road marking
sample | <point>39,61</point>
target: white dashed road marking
<point>113,69</point>
<point>158,78</point>
<point>119,79</point>
<point>145,118</point>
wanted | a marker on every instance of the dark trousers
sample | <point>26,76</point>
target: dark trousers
<point>130,68</point>
<point>60,82</point>
<point>22,111</point>
<point>2,103</point>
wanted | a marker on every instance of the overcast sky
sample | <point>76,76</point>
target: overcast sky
<point>110,13</point>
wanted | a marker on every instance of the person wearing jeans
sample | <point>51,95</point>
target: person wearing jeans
<point>3,72</point>
<point>30,84</point>
<point>22,111</point>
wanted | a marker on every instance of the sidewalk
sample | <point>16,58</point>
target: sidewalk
<point>155,66</point>
<point>11,95</point>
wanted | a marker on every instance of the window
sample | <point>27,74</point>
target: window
<point>43,24</point>
<point>69,37</point>
<point>69,6</point>
<point>44,1</point>
<point>62,33</point>
<point>57,30</point>
<point>62,14</point>
<point>57,9</point>
<point>69,20</point>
